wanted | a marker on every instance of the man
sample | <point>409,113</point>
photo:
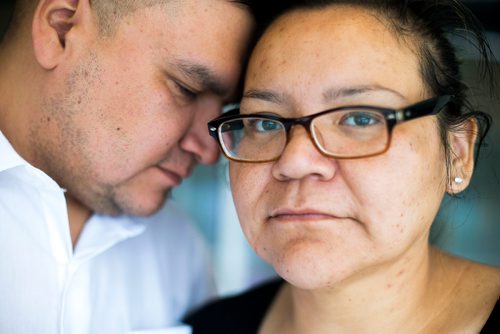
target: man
<point>103,109</point>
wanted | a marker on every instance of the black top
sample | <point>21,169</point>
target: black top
<point>243,314</point>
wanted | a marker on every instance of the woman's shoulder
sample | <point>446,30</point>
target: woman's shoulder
<point>483,277</point>
<point>487,282</point>
<point>476,275</point>
<point>477,295</point>
<point>241,313</point>
<point>493,322</point>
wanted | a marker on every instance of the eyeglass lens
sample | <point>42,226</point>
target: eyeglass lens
<point>342,133</point>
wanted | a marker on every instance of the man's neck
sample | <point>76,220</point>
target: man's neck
<point>78,215</point>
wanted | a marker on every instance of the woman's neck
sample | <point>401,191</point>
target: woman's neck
<point>404,296</point>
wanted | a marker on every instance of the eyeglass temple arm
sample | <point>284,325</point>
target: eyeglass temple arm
<point>214,124</point>
<point>429,107</point>
<point>212,131</point>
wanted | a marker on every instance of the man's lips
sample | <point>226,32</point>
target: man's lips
<point>175,176</point>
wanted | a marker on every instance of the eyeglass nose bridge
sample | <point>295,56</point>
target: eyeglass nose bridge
<point>305,121</point>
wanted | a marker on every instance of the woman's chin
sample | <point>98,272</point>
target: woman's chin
<point>309,273</point>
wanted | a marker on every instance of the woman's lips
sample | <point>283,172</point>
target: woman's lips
<point>301,215</point>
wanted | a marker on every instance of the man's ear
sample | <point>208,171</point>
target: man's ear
<point>53,23</point>
<point>462,148</point>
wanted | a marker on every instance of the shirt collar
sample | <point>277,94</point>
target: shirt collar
<point>102,232</point>
<point>10,158</point>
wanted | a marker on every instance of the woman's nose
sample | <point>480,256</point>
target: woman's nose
<point>301,158</point>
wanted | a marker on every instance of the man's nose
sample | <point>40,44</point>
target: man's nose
<point>197,141</point>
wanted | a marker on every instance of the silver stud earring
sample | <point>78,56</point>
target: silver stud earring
<point>458,180</point>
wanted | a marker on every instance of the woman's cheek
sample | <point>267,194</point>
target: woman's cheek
<point>247,186</point>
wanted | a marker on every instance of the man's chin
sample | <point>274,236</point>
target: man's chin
<point>143,207</point>
<point>133,203</point>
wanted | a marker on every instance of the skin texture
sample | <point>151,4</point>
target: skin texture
<point>347,232</point>
<point>119,120</point>
<point>347,219</point>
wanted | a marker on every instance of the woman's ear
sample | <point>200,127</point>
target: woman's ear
<point>53,21</point>
<point>462,143</point>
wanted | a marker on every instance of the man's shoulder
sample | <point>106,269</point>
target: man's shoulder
<point>172,231</point>
<point>173,222</point>
<point>168,231</point>
<point>169,219</point>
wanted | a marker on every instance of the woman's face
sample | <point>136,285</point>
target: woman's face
<point>319,220</point>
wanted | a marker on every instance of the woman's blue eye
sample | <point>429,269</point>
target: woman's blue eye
<point>360,119</point>
<point>265,125</point>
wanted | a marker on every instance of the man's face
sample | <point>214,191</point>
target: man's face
<point>129,121</point>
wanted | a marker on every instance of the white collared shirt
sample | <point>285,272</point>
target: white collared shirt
<point>126,274</point>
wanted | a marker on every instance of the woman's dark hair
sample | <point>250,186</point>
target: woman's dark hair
<point>6,10</point>
<point>430,25</point>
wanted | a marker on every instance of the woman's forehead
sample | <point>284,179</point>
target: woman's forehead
<point>335,28</point>
<point>340,47</point>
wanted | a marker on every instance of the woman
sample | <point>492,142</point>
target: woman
<point>352,127</point>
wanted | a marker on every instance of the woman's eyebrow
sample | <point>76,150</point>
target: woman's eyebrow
<point>329,95</point>
<point>333,94</point>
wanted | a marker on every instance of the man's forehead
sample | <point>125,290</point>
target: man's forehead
<point>176,5</point>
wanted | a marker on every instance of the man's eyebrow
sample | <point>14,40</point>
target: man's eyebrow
<point>203,76</point>
<point>265,95</point>
<point>335,93</point>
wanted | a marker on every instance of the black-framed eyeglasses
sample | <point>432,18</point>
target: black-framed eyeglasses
<point>344,133</point>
